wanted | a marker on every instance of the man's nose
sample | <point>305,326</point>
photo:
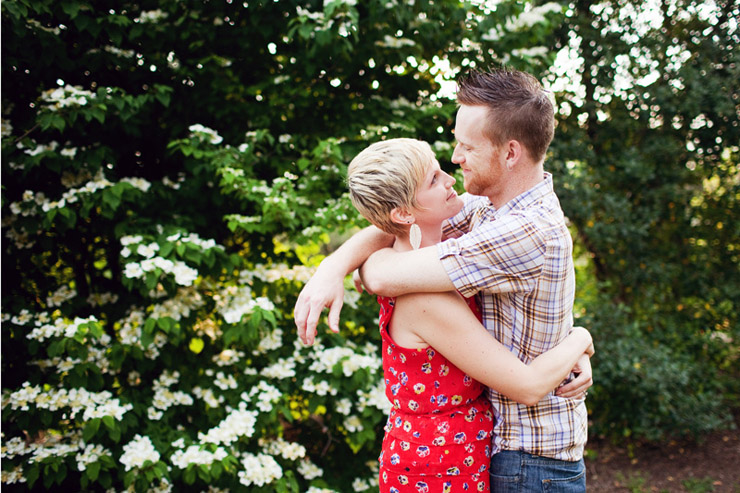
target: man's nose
<point>456,155</point>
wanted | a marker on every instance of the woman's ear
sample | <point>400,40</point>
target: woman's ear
<point>402,216</point>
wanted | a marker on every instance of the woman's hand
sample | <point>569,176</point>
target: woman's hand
<point>357,280</point>
<point>578,387</point>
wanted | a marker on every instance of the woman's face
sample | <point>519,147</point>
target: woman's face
<point>435,197</point>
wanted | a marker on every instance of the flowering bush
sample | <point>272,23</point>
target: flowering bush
<point>171,177</point>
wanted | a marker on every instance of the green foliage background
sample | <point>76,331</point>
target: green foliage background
<point>172,170</point>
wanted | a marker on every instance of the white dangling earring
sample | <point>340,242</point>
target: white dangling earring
<point>415,236</point>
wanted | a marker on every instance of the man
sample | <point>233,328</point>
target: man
<point>510,245</point>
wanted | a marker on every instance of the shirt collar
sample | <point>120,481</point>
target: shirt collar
<point>531,196</point>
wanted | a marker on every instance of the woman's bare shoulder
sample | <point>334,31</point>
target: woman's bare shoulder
<point>433,303</point>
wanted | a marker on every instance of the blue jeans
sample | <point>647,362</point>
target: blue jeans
<point>520,472</point>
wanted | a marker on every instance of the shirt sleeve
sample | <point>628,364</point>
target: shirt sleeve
<point>499,256</point>
<point>459,224</point>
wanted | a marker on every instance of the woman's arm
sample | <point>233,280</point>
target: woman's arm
<point>445,322</point>
<point>326,286</point>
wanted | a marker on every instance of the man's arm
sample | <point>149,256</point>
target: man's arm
<point>326,286</point>
<point>390,273</point>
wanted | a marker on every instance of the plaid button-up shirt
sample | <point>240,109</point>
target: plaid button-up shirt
<point>519,259</point>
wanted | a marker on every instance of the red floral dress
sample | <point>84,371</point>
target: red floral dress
<point>438,434</point>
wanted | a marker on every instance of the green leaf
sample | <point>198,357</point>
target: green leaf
<point>98,113</point>
<point>203,473</point>
<point>129,478</point>
<point>189,475</point>
<point>166,323</point>
<point>91,428</point>
<point>152,278</point>
<point>163,95</point>
<point>71,8</point>
<point>32,474</point>
<point>115,434</point>
<point>166,249</point>
<point>93,470</point>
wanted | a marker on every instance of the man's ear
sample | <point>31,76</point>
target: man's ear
<point>514,151</point>
<point>402,216</point>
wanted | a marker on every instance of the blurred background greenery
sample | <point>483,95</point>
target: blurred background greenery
<point>214,135</point>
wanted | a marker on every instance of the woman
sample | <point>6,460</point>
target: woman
<point>437,356</point>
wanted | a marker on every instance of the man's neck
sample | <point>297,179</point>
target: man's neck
<point>518,183</point>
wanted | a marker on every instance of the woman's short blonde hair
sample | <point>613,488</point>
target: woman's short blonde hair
<point>385,176</point>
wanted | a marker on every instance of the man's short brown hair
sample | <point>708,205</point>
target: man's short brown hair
<point>518,107</point>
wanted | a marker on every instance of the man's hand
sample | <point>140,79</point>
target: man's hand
<point>577,387</point>
<point>324,290</point>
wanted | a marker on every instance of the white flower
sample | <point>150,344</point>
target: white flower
<point>239,423</point>
<point>139,183</point>
<point>70,153</point>
<point>314,489</point>
<point>288,450</point>
<point>309,470</point>
<point>344,406</point>
<point>321,388</point>
<point>131,240</point>
<point>14,475</point>
<point>151,16</point>
<point>64,293</point>
<point>202,131</point>
<point>133,270</point>
<point>91,454</point>
<point>375,397</point>
<point>360,485</point>
<point>195,455</point>
<point>165,264</point>
<point>353,424</point>
<point>391,42</point>
<point>147,251</point>
<point>268,395</point>
<point>273,340</point>
<point>7,130</point>
<point>259,470</point>
<point>282,368</point>
<point>184,275</point>
<point>228,357</point>
<point>208,396</point>
<point>225,382</point>
<point>137,452</point>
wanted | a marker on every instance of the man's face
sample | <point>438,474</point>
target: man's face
<point>482,163</point>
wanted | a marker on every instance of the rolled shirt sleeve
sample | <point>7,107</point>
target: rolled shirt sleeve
<point>501,256</point>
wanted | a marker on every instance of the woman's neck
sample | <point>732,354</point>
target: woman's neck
<point>429,236</point>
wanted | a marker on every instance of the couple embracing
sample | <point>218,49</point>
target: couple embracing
<point>484,370</point>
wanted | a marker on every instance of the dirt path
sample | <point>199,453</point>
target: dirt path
<point>713,465</point>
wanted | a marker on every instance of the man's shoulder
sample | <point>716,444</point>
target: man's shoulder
<point>545,213</point>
